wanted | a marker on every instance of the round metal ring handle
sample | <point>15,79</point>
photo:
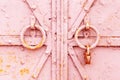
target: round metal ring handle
<point>97,37</point>
<point>24,43</point>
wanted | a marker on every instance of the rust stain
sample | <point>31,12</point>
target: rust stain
<point>85,77</point>
<point>24,71</point>
<point>8,66</point>
<point>1,43</point>
<point>10,52</point>
<point>22,63</point>
<point>36,73</point>
<point>84,4</point>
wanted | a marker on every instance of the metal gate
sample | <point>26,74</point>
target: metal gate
<point>59,40</point>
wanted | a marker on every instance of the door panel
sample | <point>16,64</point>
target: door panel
<point>18,62</point>
<point>105,56</point>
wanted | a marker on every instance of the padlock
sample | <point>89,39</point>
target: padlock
<point>87,58</point>
<point>87,55</point>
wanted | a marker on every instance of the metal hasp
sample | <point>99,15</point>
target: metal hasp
<point>87,46</point>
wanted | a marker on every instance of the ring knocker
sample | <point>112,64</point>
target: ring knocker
<point>87,54</point>
<point>24,43</point>
<point>87,27</point>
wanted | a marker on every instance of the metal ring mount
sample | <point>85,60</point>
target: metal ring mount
<point>90,27</point>
<point>24,43</point>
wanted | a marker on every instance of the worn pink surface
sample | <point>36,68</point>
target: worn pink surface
<point>60,57</point>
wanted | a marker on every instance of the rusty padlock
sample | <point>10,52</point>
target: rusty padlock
<point>87,55</point>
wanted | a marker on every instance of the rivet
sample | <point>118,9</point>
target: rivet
<point>65,17</point>
<point>24,0</point>
<point>86,9</point>
<point>33,7</point>
<point>9,41</point>
<point>109,41</point>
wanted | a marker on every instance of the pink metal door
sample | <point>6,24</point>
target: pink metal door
<point>48,39</point>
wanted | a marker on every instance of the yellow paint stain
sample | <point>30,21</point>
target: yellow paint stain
<point>24,71</point>
<point>8,66</point>
<point>1,60</point>
<point>10,52</point>
<point>1,71</point>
